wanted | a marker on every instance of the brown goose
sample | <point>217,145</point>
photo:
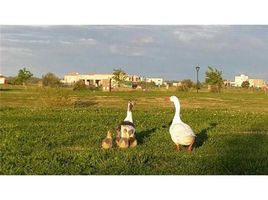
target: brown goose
<point>123,143</point>
<point>107,143</point>
<point>132,142</point>
<point>126,129</point>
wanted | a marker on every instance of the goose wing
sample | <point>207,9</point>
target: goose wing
<point>180,130</point>
<point>129,129</point>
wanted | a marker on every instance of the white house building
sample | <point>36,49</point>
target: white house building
<point>89,79</point>
<point>259,83</point>
<point>240,79</point>
<point>2,79</point>
<point>157,81</point>
<point>95,79</point>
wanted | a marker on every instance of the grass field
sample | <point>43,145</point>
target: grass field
<point>59,131</point>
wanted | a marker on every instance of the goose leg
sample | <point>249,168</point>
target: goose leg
<point>178,147</point>
<point>190,148</point>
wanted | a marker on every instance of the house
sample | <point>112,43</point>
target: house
<point>89,79</point>
<point>104,80</point>
<point>133,78</point>
<point>240,79</point>
<point>71,78</point>
<point>259,83</point>
<point>229,83</point>
<point>156,81</point>
<point>176,84</point>
<point>3,79</point>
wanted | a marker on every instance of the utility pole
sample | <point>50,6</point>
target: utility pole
<point>197,81</point>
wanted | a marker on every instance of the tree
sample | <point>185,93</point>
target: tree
<point>119,76</point>
<point>146,85</point>
<point>34,80</point>
<point>51,80</point>
<point>23,76</point>
<point>186,85</point>
<point>245,84</point>
<point>214,78</point>
<point>11,80</point>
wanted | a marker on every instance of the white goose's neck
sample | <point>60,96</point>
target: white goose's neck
<point>177,118</point>
<point>129,115</point>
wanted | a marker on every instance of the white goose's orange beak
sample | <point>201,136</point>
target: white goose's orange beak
<point>167,98</point>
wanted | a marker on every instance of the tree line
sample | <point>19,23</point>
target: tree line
<point>213,78</point>
<point>25,77</point>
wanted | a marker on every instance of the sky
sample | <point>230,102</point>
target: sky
<point>170,52</point>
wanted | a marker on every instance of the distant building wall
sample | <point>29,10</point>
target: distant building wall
<point>3,80</point>
<point>157,81</point>
<point>133,78</point>
<point>229,83</point>
<point>176,84</point>
<point>259,83</point>
<point>107,85</point>
<point>89,79</point>
<point>240,79</point>
<point>95,79</point>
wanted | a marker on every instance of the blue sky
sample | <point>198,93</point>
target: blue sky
<point>171,52</point>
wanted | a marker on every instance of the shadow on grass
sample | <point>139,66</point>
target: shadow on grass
<point>245,153</point>
<point>9,89</point>
<point>202,136</point>
<point>141,136</point>
<point>84,103</point>
<point>167,125</point>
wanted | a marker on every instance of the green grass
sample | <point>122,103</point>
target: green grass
<point>60,132</point>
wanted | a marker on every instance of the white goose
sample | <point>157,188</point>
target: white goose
<point>126,130</point>
<point>181,133</point>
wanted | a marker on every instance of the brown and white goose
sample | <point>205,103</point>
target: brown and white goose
<point>126,130</point>
<point>181,133</point>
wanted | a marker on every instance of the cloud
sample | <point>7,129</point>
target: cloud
<point>191,33</point>
<point>65,42</point>
<point>143,40</point>
<point>126,50</point>
<point>81,41</point>
<point>163,50</point>
<point>88,41</point>
<point>26,41</point>
<point>16,51</point>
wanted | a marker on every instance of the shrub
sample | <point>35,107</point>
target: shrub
<point>34,80</point>
<point>186,85</point>
<point>146,85</point>
<point>245,84</point>
<point>214,88</point>
<point>79,85</point>
<point>51,80</point>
